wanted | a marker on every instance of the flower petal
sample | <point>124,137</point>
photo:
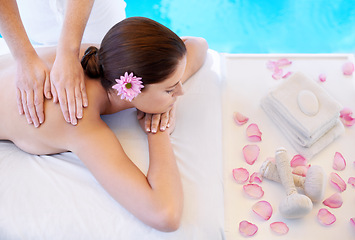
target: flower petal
<point>346,112</point>
<point>256,177</point>
<point>239,118</point>
<point>348,68</point>
<point>251,153</point>
<point>253,190</point>
<point>334,201</point>
<point>322,77</point>
<point>240,175</point>
<point>352,221</point>
<point>271,65</point>
<point>339,162</point>
<point>325,217</point>
<point>337,181</point>
<point>277,74</point>
<point>300,170</point>
<point>247,229</point>
<point>253,133</point>
<point>287,75</point>
<point>298,160</point>
<point>279,227</point>
<point>351,181</point>
<point>263,209</point>
<point>283,62</point>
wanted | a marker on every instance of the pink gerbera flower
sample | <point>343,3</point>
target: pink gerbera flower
<point>128,86</point>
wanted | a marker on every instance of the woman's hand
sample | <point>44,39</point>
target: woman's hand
<point>154,122</point>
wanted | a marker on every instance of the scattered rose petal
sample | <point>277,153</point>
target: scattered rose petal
<point>279,227</point>
<point>339,162</point>
<point>263,209</point>
<point>283,62</point>
<point>346,117</point>
<point>352,221</point>
<point>322,77</point>
<point>239,118</point>
<point>298,160</point>
<point>351,181</point>
<point>334,201</point>
<point>253,133</point>
<point>256,177</point>
<point>325,217</point>
<point>278,72</point>
<point>247,229</point>
<point>300,170</point>
<point>240,175</point>
<point>348,68</point>
<point>271,65</point>
<point>337,181</point>
<point>251,153</point>
<point>287,75</point>
<point>253,190</point>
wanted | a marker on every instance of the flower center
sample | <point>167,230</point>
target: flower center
<point>128,85</point>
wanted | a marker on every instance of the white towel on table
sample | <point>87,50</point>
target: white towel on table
<point>308,134</point>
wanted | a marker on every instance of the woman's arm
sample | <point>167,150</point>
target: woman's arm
<point>156,199</point>
<point>196,54</point>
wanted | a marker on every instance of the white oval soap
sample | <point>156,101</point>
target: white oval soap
<point>308,102</point>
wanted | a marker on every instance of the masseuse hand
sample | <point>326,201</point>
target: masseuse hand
<point>68,87</point>
<point>31,77</point>
<point>151,122</point>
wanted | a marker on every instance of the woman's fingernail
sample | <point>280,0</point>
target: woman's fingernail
<point>154,130</point>
<point>147,129</point>
<point>162,128</point>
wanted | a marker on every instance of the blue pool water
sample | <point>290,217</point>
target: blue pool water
<point>258,26</point>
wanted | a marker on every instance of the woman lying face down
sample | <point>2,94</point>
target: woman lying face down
<point>140,64</point>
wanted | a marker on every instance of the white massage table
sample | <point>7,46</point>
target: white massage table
<point>56,197</point>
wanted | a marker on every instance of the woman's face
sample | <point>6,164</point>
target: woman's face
<point>160,97</point>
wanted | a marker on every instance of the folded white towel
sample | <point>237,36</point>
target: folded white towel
<point>310,124</point>
<point>306,128</point>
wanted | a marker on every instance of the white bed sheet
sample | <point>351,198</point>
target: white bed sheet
<point>56,197</point>
<point>247,80</point>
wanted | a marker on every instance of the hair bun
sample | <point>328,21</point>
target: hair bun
<point>90,62</point>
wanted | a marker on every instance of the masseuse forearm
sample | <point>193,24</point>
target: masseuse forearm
<point>74,24</point>
<point>13,31</point>
<point>163,176</point>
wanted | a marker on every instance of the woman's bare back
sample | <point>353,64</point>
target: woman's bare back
<point>55,134</point>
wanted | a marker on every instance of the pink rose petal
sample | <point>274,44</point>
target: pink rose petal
<point>283,62</point>
<point>322,77</point>
<point>339,162</point>
<point>334,201</point>
<point>300,170</point>
<point>256,177</point>
<point>346,117</point>
<point>352,221</point>
<point>253,190</point>
<point>251,153</point>
<point>325,217</point>
<point>279,227</point>
<point>298,160</point>
<point>271,65</point>
<point>338,182</point>
<point>277,74</point>
<point>239,118</point>
<point>263,209</point>
<point>346,112</point>
<point>247,229</point>
<point>348,68</point>
<point>287,75</point>
<point>351,181</point>
<point>253,133</point>
<point>240,175</point>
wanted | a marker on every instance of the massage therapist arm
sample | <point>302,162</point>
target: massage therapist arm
<point>33,75</point>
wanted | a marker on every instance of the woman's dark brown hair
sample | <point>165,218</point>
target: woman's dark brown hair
<point>139,45</point>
